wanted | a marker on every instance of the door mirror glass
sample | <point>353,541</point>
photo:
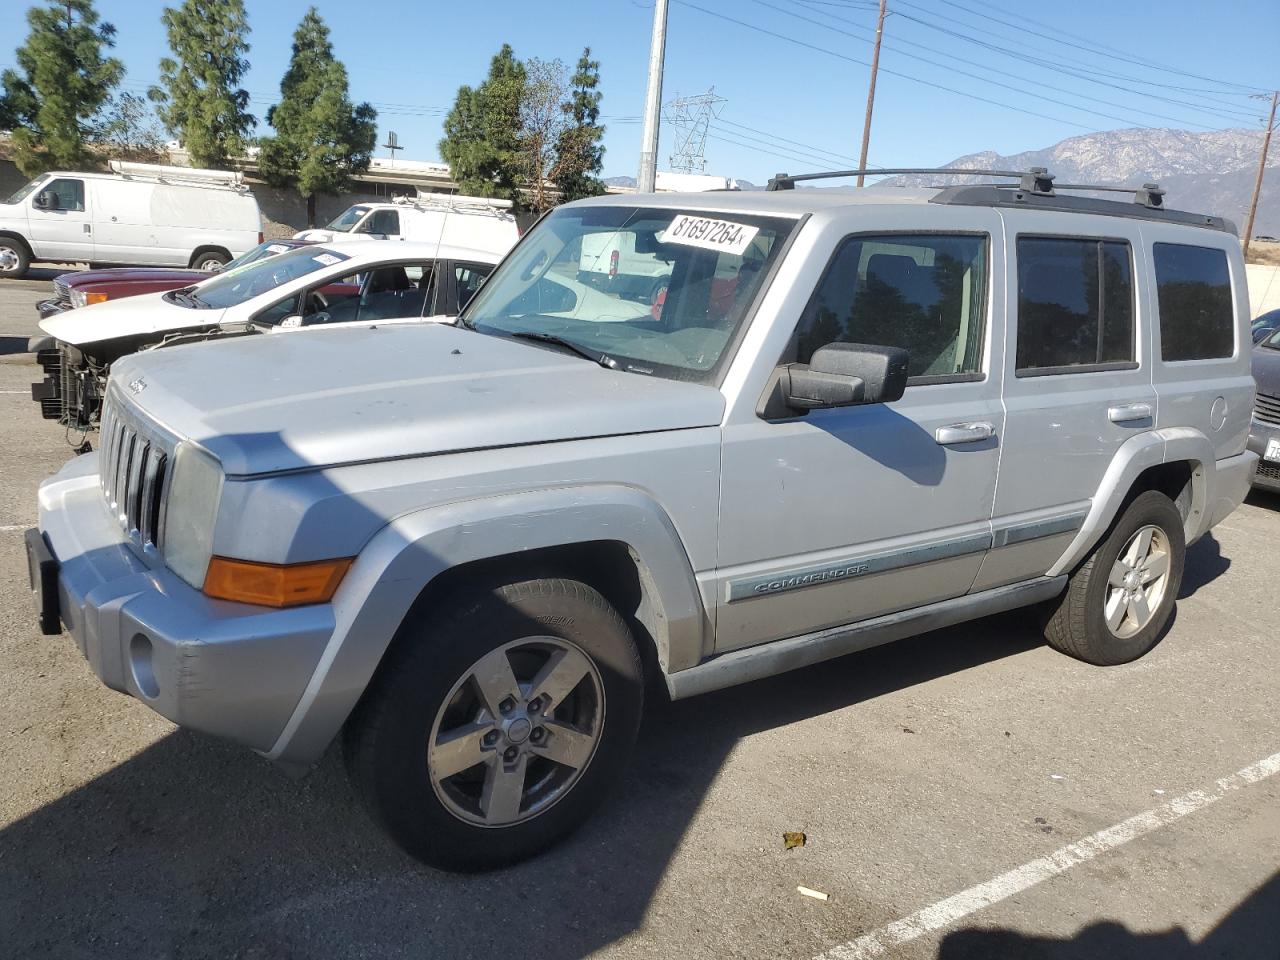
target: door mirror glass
<point>846,374</point>
<point>45,200</point>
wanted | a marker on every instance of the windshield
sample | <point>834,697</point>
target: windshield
<point>347,219</point>
<point>244,283</point>
<point>260,252</point>
<point>657,291</point>
<point>24,192</point>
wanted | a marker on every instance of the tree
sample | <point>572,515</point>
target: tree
<point>128,129</point>
<point>200,98</point>
<point>321,140</point>
<point>482,132</point>
<point>543,124</point>
<point>579,152</point>
<point>63,83</point>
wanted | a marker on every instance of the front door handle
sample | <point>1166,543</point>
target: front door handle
<point>88,228</point>
<point>1129,412</point>
<point>964,433</point>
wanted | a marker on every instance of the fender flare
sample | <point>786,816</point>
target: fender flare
<point>398,563</point>
<point>1150,449</point>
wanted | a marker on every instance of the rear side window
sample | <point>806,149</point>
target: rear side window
<point>1197,321</point>
<point>924,293</point>
<point>1075,305</point>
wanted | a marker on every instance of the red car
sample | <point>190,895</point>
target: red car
<point>80,289</point>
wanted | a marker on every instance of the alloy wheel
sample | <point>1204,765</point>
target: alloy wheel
<point>1138,581</point>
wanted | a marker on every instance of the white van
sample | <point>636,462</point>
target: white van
<point>478,223</point>
<point>138,214</point>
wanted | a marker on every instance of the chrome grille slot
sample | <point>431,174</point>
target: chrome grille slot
<point>133,465</point>
<point>1267,409</point>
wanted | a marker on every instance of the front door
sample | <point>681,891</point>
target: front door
<point>849,513</point>
<point>61,226</point>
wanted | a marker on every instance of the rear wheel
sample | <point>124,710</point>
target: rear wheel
<point>1119,600</point>
<point>14,259</point>
<point>210,260</point>
<point>495,727</point>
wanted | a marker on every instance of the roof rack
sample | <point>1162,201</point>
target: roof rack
<point>1035,187</point>
<point>456,202</point>
<point>186,176</point>
<point>1036,180</point>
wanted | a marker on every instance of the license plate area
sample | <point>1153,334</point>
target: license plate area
<point>1272,452</point>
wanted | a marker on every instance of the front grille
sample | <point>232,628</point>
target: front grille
<point>61,291</point>
<point>1267,409</point>
<point>1269,473</point>
<point>133,465</point>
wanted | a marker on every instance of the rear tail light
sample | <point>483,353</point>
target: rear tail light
<point>613,264</point>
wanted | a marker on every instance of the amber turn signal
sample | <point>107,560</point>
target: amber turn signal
<point>274,585</point>
<point>95,298</point>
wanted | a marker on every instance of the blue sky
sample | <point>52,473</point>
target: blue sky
<point>793,103</point>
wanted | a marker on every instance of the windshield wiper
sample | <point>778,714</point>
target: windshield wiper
<point>601,358</point>
<point>186,298</point>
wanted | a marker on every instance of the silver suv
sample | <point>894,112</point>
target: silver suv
<point>843,418</point>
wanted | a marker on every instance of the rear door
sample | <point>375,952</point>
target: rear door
<point>62,230</point>
<point>1077,380</point>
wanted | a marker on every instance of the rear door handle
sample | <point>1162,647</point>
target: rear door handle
<point>964,433</point>
<point>1129,412</point>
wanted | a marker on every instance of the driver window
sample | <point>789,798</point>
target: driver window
<point>67,195</point>
<point>385,222</point>
<point>926,294</point>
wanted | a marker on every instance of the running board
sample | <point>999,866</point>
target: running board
<point>779,656</point>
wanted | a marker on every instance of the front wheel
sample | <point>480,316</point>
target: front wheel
<point>13,259</point>
<point>1119,600</point>
<point>495,727</point>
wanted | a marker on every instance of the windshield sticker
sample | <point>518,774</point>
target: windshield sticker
<point>276,248</point>
<point>724,235</point>
<point>327,259</point>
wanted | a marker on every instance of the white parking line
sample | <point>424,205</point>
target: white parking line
<point>16,392</point>
<point>10,528</point>
<point>948,911</point>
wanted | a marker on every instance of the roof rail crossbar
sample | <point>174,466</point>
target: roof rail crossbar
<point>1037,180</point>
<point>1149,194</point>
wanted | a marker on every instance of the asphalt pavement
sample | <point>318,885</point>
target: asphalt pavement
<point>965,794</point>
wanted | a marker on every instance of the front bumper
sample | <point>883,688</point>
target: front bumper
<point>1268,475</point>
<point>231,670</point>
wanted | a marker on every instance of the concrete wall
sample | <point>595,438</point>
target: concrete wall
<point>1264,288</point>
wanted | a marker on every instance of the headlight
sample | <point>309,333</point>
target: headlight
<point>77,299</point>
<point>192,507</point>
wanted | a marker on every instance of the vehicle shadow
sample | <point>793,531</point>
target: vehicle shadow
<point>1250,932</point>
<point>193,848</point>
<point>10,345</point>
<point>1267,499</point>
<point>1205,564</point>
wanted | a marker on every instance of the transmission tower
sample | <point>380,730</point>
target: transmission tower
<point>691,117</point>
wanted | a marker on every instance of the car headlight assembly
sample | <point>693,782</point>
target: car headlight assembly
<point>192,508</point>
<point>78,299</point>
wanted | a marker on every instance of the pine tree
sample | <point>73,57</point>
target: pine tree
<point>64,82</point>
<point>482,132</point>
<point>320,138</point>
<point>579,152</point>
<point>200,98</point>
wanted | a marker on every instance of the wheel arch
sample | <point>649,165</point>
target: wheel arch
<point>14,235</point>
<point>1178,462</point>
<point>208,248</point>
<point>617,539</point>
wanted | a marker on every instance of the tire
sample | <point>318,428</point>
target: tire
<point>14,259</point>
<point>1103,585</point>
<point>426,691</point>
<point>210,260</point>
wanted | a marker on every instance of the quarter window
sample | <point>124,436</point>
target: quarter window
<point>926,294</point>
<point>1197,321</point>
<point>1075,305</point>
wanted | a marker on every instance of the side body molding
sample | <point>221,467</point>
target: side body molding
<point>408,553</point>
<point>1141,453</point>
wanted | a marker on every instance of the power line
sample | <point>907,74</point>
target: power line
<point>982,79</point>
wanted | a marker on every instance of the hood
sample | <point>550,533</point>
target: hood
<point>314,236</point>
<point>325,397</point>
<point>179,277</point>
<point>1266,370</point>
<point>126,317</point>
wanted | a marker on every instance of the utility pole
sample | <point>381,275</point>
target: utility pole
<point>648,175</point>
<point>871,93</point>
<point>1262,168</point>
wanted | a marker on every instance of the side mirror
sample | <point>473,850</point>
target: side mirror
<point>845,375</point>
<point>44,200</point>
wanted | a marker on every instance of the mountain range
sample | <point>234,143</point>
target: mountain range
<point>1211,172</point>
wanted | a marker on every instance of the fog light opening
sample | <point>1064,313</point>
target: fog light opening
<point>144,675</point>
